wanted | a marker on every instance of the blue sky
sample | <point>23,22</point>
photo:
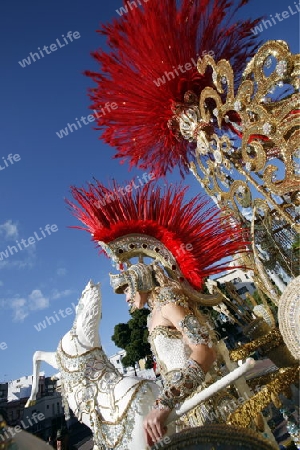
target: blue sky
<point>37,101</point>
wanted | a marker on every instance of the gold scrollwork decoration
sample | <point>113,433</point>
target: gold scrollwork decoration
<point>253,161</point>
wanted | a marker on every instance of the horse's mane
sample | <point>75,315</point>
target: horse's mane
<point>91,310</point>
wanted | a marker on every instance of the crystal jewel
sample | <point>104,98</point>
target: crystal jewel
<point>297,153</point>
<point>188,122</point>
<point>176,377</point>
<point>237,105</point>
<point>241,189</point>
<point>268,63</point>
<point>218,156</point>
<point>267,128</point>
<point>281,67</point>
<point>202,143</point>
<point>297,169</point>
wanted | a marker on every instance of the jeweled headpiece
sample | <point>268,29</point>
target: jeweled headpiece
<point>144,96</point>
<point>188,239</point>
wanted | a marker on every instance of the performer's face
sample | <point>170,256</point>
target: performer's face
<point>139,300</point>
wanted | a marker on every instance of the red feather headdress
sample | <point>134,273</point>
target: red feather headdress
<point>189,238</point>
<point>146,77</point>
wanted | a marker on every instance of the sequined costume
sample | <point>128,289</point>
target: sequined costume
<point>92,379</point>
<point>171,348</point>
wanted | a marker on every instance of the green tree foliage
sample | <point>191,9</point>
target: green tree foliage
<point>296,244</point>
<point>257,297</point>
<point>133,338</point>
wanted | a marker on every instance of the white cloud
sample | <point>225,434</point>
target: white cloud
<point>22,307</point>
<point>14,256</point>
<point>9,230</point>
<point>28,261</point>
<point>56,294</point>
<point>19,308</point>
<point>2,303</point>
<point>36,300</point>
<point>61,271</point>
<point>1,283</point>
<point>10,264</point>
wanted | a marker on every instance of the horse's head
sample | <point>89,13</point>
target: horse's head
<point>88,315</point>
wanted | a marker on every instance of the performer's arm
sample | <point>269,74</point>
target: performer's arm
<point>180,383</point>
<point>196,335</point>
<point>187,379</point>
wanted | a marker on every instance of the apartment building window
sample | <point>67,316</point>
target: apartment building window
<point>242,290</point>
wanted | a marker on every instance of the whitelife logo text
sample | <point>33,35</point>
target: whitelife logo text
<point>86,120</point>
<point>53,47</point>
<point>9,160</point>
<point>13,249</point>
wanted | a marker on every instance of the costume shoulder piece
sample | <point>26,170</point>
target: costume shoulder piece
<point>166,295</point>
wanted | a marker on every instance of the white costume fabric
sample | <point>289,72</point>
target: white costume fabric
<point>181,374</point>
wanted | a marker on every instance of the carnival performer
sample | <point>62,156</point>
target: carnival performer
<point>186,242</point>
<point>180,337</point>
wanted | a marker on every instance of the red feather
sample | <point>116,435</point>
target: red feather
<point>146,43</point>
<point>166,216</point>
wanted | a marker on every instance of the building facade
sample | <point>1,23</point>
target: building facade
<point>44,418</point>
<point>241,280</point>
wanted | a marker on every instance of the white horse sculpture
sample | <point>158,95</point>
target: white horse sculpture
<point>111,405</point>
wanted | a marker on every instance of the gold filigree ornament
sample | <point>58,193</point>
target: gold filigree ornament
<point>248,411</point>
<point>289,317</point>
<point>273,339</point>
<point>261,168</point>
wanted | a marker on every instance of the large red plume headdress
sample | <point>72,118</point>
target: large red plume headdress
<point>149,75</point>
<point>188,238</point>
